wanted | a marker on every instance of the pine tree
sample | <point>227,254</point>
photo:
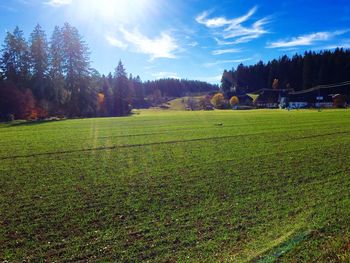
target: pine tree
<point>39,62</point>
<point>58,94</point>
<point>139,89</point>
<point>307,71</point>
<point>15,60</point>
<point>76,64</point>
<point>121,91</point>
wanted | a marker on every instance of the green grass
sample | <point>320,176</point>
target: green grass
<point>177,187</point>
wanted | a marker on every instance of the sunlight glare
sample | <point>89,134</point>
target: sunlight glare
<point>111,10</point>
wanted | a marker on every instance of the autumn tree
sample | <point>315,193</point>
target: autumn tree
<point>234,101</point>
<point>275,84</point>
<point>219,101</point>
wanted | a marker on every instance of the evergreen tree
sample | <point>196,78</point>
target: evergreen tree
<point>227,84</point>
<point>298,72</point>
<point>39,62</point>
<point>139,93</point>
<point>58,94</point>
<point>15,59</point>
<point>75,67</point>
<point>121,91</point>
<point>307,71</point>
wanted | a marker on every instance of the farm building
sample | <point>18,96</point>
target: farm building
<point>271,98</point>
<point>323,96</point>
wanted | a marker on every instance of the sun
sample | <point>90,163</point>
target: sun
<point>111,10</point>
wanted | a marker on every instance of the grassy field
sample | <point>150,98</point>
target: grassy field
<point>180,104</point>
<point>171,186</point>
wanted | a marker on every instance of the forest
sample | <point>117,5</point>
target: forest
<point>43,77</point>
<point>299,72</point>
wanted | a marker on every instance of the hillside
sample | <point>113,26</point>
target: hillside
<point>182,103</point>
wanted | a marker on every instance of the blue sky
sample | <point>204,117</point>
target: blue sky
<point>194,39</point>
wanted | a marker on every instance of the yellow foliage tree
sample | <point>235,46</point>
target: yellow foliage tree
<point>218,101</point>
<point>234,101</point>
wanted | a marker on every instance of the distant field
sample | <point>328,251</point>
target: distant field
<point>180,104</point>
<point>178,187</point>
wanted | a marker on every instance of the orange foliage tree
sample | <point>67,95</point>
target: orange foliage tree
<point>275,84</point>
<point>219,101</point>
<point>234,101</point>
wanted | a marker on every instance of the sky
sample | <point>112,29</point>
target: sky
<point>191,39</point>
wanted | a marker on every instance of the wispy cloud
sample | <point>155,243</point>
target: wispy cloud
<point>116,42</point>
<point>58,3</point>
<point>243,34</point>
<point>306,40</point>
<point>193,44</point>
<point>222,21</point>
<point>220,62</point>
<point>226,51</point>
<point>162,46</point>
<point>233,31</point>
<point>164,75</point>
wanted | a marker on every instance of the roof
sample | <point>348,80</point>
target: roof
<point>320,87</point>
<point>272,90</point>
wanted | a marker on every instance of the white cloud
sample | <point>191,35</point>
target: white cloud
<point>163,46</point>
<point>116,42</point>
<point>244,34</point>
<point>58,3</point>
<point>193,44</point>
<point>305,40</point>
<point>165,75</point>
<point>233,29</point>
<point>220,62</point>
<point>211,23</point>
<point>222,21</point>
<point>226,51</point>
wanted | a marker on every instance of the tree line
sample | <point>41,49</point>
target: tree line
<point>299,72</point>
<point>42,77</point>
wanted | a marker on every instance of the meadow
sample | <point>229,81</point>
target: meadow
<point>175,186</point>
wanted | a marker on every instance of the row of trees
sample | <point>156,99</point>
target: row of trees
<point>299,72</point>
<point>47,76</point>
<point>41,77</point>
<point>178,87</point>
